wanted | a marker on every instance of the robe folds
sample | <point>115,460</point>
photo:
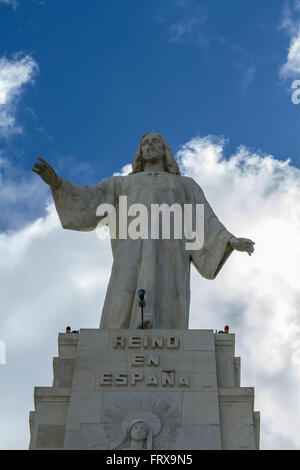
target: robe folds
<point>160,266</point>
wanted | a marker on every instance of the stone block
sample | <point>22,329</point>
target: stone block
<point>67,345</point>
<point>238,437</point>
<point>201,437</point>
<point>63,369</point>
<point>95,340</point>
<point>48,412</point>
<point>200,408</point>
<point>50,436</point>
<point>198,340</point>
<point>85,407</point>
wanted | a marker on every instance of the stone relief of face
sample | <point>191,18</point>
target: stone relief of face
<point>138,431</point>
<point>152,148</point>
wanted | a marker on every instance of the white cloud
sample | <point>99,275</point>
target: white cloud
<point>52,277</point>
<point>292,64</point>
<point>291,24</point>
<point>126,169</point>
<point>15,73</point>
<point>290,17</point>
<point>188,27</point>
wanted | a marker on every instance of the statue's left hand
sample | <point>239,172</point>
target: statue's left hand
<point>242,244</point>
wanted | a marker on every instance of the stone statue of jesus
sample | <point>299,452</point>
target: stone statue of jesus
<point>159,266</point>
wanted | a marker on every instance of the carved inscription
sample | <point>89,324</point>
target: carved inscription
<point>146,342</point>
<point>146,359</point>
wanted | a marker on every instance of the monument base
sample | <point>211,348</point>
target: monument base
<point>181,386</point>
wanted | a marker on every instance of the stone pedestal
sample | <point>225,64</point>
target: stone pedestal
<point>184,385</point>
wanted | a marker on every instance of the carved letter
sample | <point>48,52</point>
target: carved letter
<point>121,379</point>
<point>106,379</point>
<point>152,380</point>
<point>136,378</point>
<point>134,342</point>
<point>172,342</point>
<point>157,342</point>
<point>146,341</point>
<point>118,341</point>
<point>138,360</point>
<point>153,360</point>
<point>183,381</point>
<point>168,378</point>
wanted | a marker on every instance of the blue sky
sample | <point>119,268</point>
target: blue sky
<point>110,71</point>
<point>80,82</point>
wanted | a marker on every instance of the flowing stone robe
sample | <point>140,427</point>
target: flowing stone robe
<point>161,267</point>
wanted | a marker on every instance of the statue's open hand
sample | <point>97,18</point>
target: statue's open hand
<point>46,172</point>
<point>242,244</point>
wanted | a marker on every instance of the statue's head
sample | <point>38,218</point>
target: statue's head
<point>138,431</point>
<point>154,147</point>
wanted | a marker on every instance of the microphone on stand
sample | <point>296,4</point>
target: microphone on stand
<point>142,303</point>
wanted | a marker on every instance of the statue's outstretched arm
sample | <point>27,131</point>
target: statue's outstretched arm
<point>76,205</point>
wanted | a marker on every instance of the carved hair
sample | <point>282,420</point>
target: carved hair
<point>170,164</point>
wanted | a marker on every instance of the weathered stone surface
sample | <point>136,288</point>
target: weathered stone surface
<point>50,436</point>
<point>239,422</point>
<point>183,385</point>
<point>48,422</point>
<point>200,408</point>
